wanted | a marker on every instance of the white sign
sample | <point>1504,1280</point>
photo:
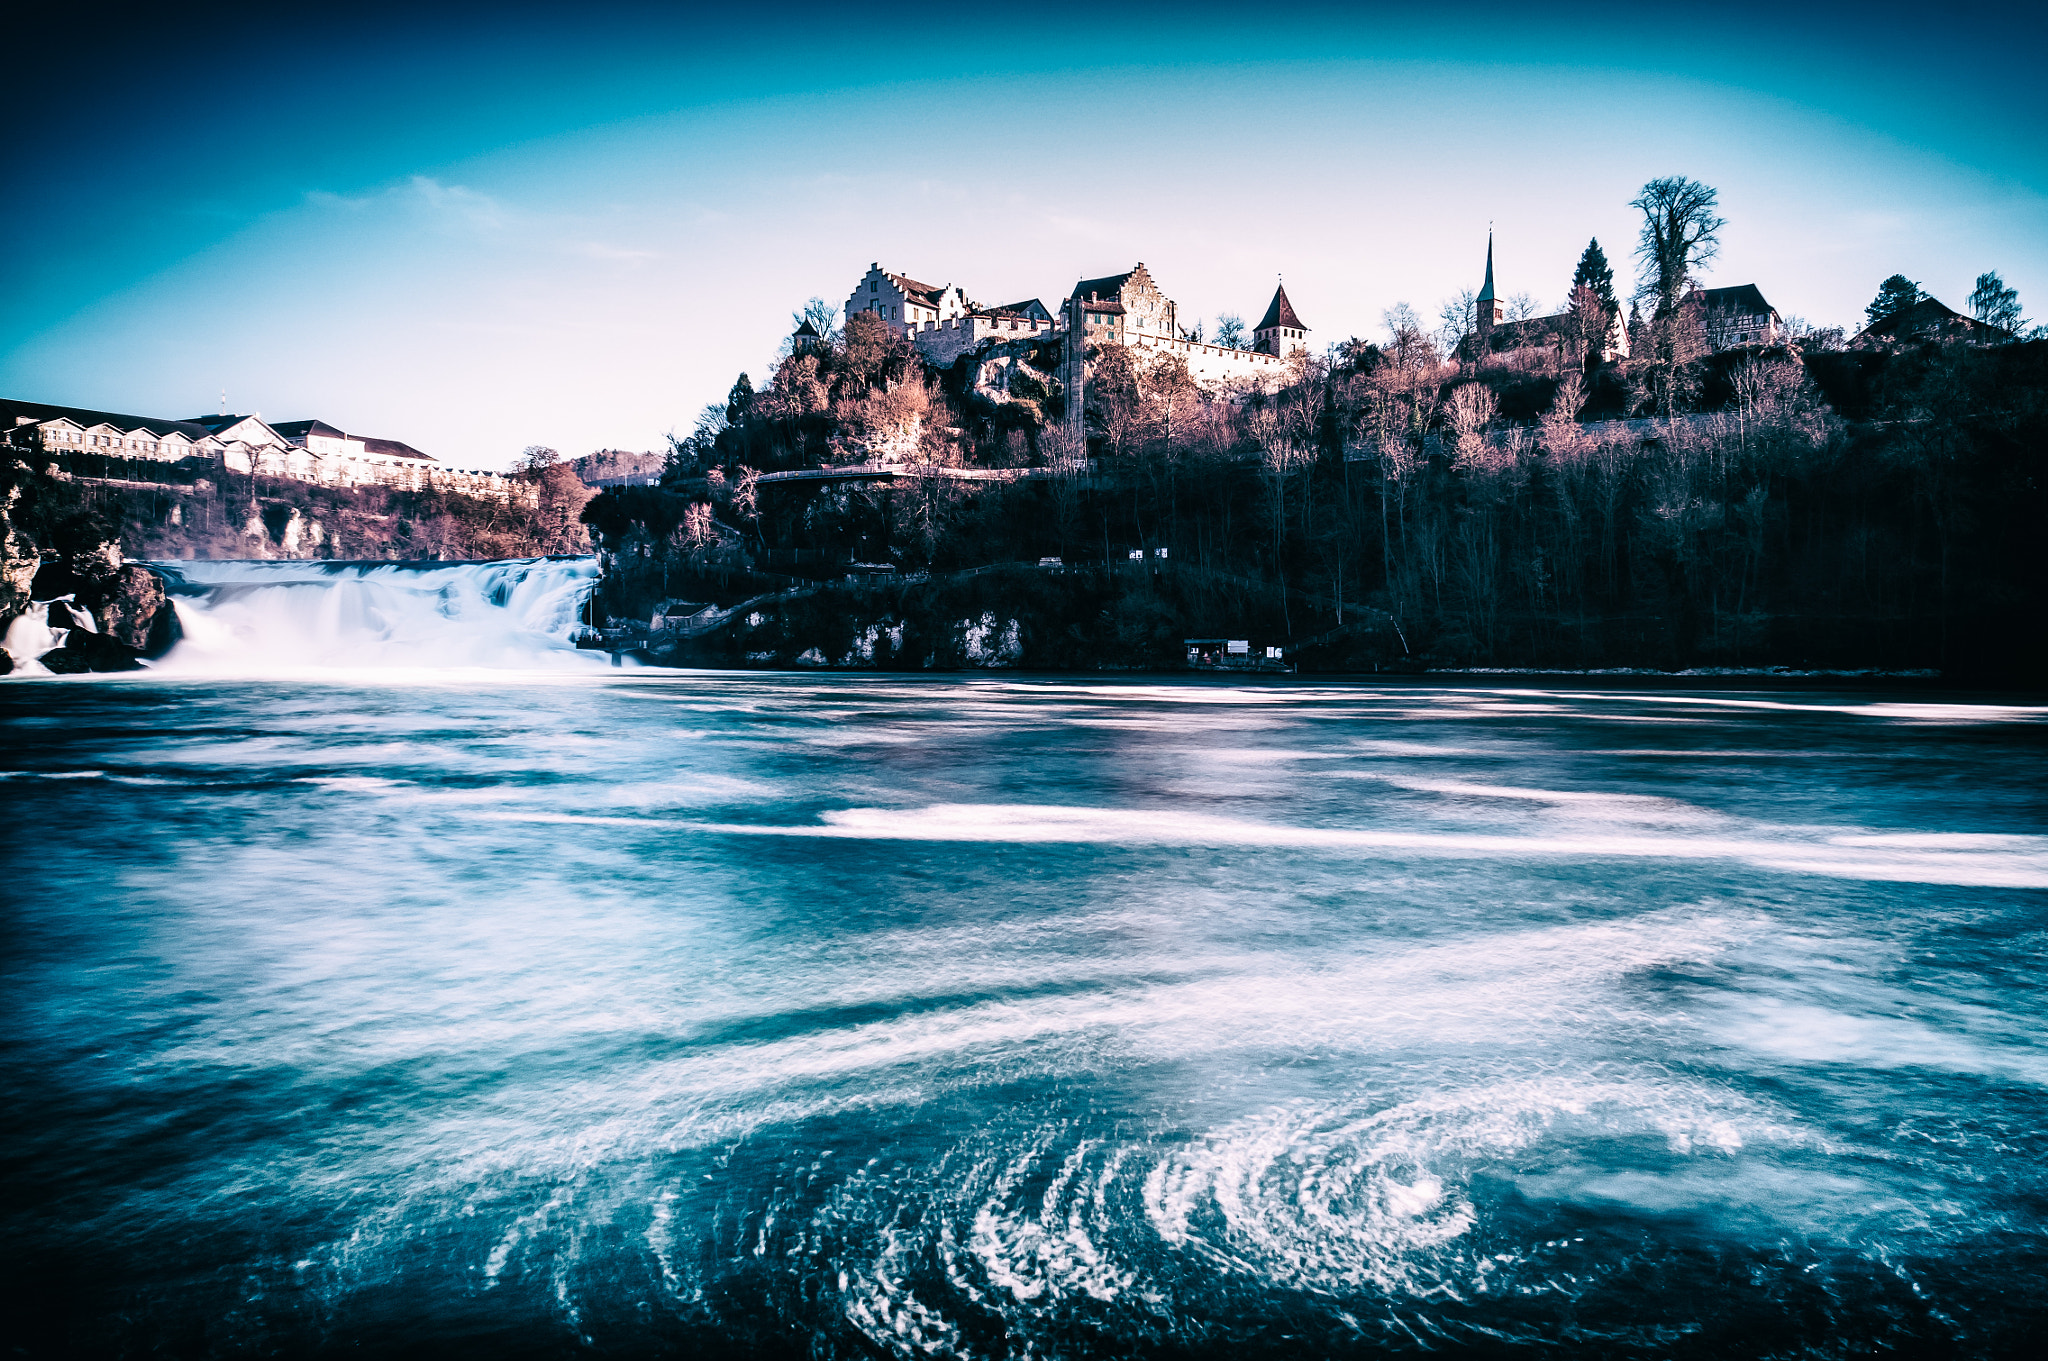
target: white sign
<point>1237,647</point>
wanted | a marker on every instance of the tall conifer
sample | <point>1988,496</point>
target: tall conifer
<point>1594,273</point>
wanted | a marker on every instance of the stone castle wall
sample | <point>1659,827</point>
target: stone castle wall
<point>941,342</point>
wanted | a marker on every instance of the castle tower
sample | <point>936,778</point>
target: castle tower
<point>1280,332</point>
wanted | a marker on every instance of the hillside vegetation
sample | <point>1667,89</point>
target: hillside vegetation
<point>1757,507</point>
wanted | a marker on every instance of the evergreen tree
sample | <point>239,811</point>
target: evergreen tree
<point>740,399</point>
<point>1594,273</point>
<point>1894,296</point>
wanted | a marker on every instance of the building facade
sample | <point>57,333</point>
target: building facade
<point>302,451</point>
<point>1494,335</point>
<point>1128,309</point>
<point>1738,316</point>
<point>1927,319</point>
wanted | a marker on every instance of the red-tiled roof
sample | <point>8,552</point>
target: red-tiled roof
<point>1279,312</point>
<point>927,294</point>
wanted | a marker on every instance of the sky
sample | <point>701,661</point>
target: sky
<point>479,228</point>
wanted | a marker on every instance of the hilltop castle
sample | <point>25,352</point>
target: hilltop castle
<point>1117,309</point>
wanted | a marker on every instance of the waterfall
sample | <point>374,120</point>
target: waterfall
<point>241,618</point>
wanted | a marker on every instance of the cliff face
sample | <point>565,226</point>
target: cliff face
<point>19,559</point>
<point>68,600</point>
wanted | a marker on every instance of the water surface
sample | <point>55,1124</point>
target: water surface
<point>509,1013</point>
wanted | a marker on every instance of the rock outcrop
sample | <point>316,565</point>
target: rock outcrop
<point>136,612</point>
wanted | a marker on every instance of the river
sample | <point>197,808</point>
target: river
<point>371,999</point>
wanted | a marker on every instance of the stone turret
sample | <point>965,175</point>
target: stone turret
<point>1280,332</point>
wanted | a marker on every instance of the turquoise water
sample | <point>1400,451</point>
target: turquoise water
<point>515,1013</point>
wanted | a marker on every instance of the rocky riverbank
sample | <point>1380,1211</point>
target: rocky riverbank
<point>69,602</point>
<point>1003,617</point>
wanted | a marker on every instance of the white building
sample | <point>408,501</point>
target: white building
<point>303,451</point>
<point>1129,309</point>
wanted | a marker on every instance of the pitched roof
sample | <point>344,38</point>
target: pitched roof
<point>1279,312</point>
<point>215,424</point>
<point>924,293</point>
<point>1108,286</point>
<point>1744,298</point>
<point>390,447</point>
<point>807,330</point>
<point>1486,292</point>
<point>393,447</point>
<point>1030,307</point>
<point>1926,315</point>
<point>1529,330</point>
<point>39,412</point>
<point>301,429</point>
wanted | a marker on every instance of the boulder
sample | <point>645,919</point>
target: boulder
<point>83,651</point>
<point>136,611</point>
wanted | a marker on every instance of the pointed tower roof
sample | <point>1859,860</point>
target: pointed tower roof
<point>1279,312</point>
<point>1486,293</point>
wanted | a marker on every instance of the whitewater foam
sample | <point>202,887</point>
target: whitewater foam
<point>284,618</point>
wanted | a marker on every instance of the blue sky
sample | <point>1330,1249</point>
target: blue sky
<point>491,227</point>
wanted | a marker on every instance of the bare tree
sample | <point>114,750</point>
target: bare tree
<point>1169,390</point>
<point>1522,307</point>
<point>1562,434</point>
<point>1280,456</point>
<point>535,459</point>
<point>1470,410</point>
<point>1681,231</point>
<point>1994,304</point>
<point>1587,326</point>
<point>1408,344</point>
<point>1459,316</point>
<point>823,317</point>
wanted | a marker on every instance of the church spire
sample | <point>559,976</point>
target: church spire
<point>1486,293</point>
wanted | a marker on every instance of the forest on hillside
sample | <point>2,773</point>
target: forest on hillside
<point>1794,504</point>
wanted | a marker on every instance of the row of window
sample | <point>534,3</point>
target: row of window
<point>110,442</point>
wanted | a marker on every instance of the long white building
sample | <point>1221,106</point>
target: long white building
<point>304,451</point>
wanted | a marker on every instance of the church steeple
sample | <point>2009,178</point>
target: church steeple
<point>1491,313</point>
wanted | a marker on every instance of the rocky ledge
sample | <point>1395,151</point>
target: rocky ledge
<point>92,614</point>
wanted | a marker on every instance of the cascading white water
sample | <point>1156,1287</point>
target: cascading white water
<point>254,617</point>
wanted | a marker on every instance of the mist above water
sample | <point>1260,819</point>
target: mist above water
<point>252,618</point>
<point>857,1016</point>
